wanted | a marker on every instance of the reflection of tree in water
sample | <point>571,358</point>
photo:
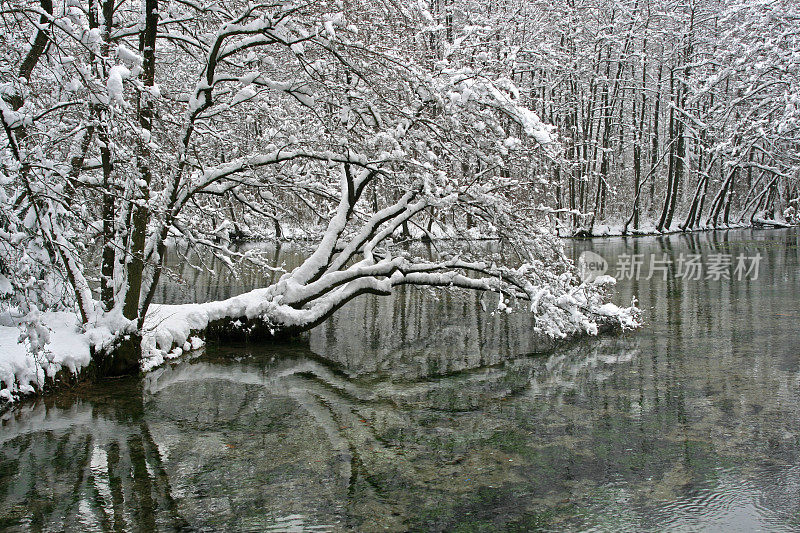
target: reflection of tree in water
<point>84,466</point>
<point>251,444</point>
<point>424,420</point>
<point>387,443</point>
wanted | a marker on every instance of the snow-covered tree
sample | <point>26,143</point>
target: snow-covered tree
<point>130,126</point>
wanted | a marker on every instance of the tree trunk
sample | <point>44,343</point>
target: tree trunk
<point>141,213</point>
<point>662,221</point>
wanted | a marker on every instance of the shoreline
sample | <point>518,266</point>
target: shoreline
<point>73,375</point>
<point>65,381</point>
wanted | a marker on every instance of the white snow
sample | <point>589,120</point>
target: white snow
<point>114,84</point>
<point>248,78</point>
<point>5,286</point>
<point>329,29</point>
<point>244,94</point>
<point>68,349</point>
<point>128,56</point>
<point>627,320</point>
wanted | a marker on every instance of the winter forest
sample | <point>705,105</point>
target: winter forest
<point>133,128</point>
<point>399,265</point>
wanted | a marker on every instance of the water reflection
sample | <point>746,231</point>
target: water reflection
<point>410,413</point>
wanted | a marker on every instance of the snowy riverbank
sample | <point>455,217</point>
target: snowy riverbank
<point>617,229</point>
<point>34,354</point>
<point>170,331</point>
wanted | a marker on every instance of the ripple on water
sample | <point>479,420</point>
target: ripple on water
<point>414,413</point>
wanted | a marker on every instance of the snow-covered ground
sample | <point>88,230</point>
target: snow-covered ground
<point>64,345</point>
<point>21,371</point>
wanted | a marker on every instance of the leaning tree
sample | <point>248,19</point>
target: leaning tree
<point>131,126</point>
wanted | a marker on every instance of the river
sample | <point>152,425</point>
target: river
<point>428,413</point>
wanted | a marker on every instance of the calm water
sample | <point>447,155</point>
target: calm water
<point>415,413</point>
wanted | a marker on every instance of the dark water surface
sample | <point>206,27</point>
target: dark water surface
<point>416,413</point>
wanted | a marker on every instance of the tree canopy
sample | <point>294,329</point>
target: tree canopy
<point>133,126</point>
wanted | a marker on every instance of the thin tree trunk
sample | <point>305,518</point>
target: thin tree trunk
<point>662,221</point>
<point>655,145</point>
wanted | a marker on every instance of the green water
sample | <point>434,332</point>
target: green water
<point>431,414</point>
